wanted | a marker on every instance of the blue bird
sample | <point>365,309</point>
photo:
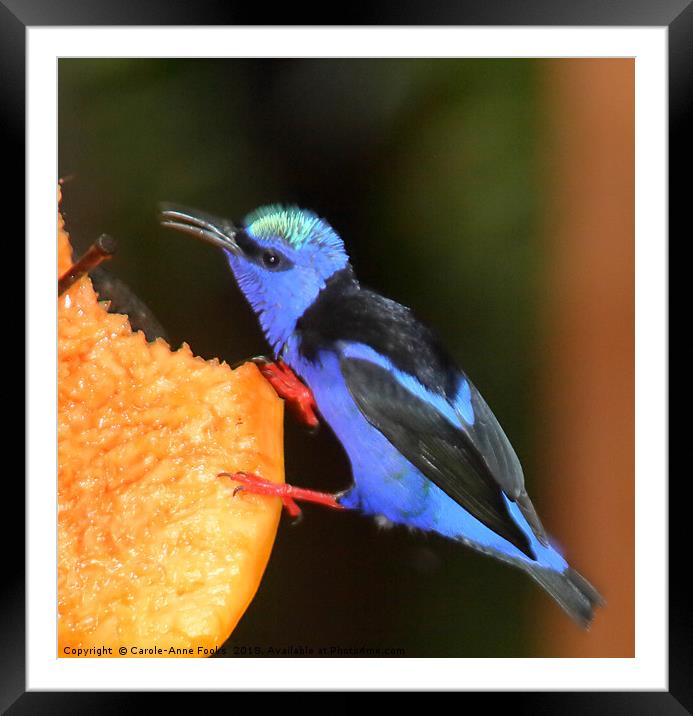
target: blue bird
<point>425,449</point>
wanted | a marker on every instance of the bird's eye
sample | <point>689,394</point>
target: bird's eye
<point>271,259</point>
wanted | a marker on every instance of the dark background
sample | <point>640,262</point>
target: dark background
<point>438,174</point>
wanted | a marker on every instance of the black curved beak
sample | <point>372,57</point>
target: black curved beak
<point>214,230</point>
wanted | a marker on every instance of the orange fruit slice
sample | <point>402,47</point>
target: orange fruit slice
<point>155,555</point>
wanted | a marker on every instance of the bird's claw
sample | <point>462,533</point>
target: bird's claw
<point>261,360</point>
<point>258,360</point>
<point>291,389</point>
<point>287,493</point>
<point>297,519</point>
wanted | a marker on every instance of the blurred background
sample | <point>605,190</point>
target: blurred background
<point>495,197</point>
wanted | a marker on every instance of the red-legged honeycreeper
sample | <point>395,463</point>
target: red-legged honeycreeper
<point>425,448</point>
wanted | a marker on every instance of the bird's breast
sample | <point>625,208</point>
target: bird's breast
<point>323,375</point>
<point>371,455</point>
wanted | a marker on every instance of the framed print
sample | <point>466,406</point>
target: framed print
<point>506,178</point>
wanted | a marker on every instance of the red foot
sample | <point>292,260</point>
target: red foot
<point>288,493</point>
<point>289,387</point>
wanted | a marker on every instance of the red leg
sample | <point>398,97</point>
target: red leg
<point>288,493</point>
<point>289,387</point>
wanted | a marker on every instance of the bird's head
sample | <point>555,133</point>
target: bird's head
<point>281,257</point>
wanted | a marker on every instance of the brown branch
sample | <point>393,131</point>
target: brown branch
<point>102,249</point>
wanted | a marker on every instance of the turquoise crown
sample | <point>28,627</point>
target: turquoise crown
<point>297,227</point>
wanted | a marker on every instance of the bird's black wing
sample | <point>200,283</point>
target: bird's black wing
<point>443,453</point>
<point>489,442</point>
<point>474,462</point>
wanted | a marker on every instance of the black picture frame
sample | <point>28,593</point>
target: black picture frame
<point>677,15</point>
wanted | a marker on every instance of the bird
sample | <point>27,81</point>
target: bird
<point>424,447</point>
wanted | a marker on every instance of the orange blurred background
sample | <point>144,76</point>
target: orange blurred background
<point>587,442</point>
